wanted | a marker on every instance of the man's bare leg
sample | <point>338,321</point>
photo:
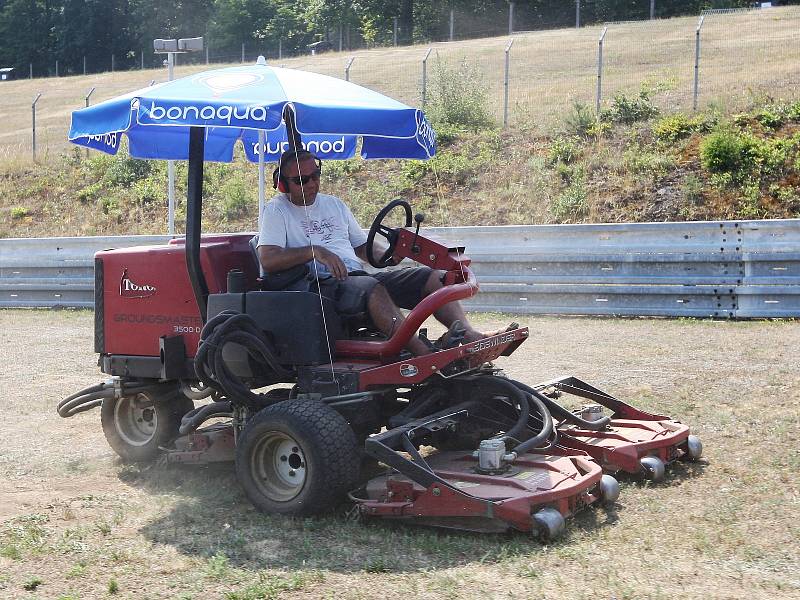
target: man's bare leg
<point>452,311</point>
<point>387,317</point>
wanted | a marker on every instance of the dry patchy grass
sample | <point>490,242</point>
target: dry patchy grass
<point>76,523</point>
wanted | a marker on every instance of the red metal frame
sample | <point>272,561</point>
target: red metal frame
<point>562,478</point>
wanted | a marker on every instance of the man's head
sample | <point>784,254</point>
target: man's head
<point>298,175</point>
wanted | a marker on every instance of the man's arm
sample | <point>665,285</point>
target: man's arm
<point>275,259</point>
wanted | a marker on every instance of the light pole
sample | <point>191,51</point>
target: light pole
<point>171,48</point>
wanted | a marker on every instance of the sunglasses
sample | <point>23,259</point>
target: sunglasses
<point>304,179</point>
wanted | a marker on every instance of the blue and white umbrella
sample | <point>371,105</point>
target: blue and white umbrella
<point>235,104</point>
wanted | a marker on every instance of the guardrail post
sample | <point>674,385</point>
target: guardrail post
<point>425,77</point>
<point>697,61</point>
<point>33,122</point>
<point>600,70</point>
<point>505,84</point>
<point>347,68</point>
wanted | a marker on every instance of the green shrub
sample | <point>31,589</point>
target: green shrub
<point>581,120</point>
<point>147,191</point>
<point>565,150</point>
<point>126,170</point>
<point>89,193</point>
<point>771,117</point>
<point>627,110</point>
<point>692,189</point>
<point>19,212</point>
<point>723,151</point>
<point>678,126</point>
<point>571,203</point>
<point>234,198</point>
<point>459,97</point>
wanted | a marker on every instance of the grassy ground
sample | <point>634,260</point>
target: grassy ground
<point>76,523</point>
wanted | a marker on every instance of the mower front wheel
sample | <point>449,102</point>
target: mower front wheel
<point>138,426</point>
<point>297,457</point>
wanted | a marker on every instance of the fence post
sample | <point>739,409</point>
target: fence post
<point>510,18</point>
<point>452,22</point>
<point>31,75</point>
<point>56,68</point>
<point>206,51</point>
<point>652,9</point>
<point>280,49</point>
<point>425,76</point>
<point>86,102</point>
<point>242,52</point>
<point>600,70</point>
<point>142,60</point>
<point>577,14</point>
<point>84,65</point>
<point>505,84</point>
<point>394,32</point>
<point>347,68</point>
<point>112,63</point>
<point>33,123</point>
<point>697,61</point>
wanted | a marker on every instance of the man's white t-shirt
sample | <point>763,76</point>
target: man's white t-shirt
<point>328,222</point>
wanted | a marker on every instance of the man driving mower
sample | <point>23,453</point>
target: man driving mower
<point>302,226</point>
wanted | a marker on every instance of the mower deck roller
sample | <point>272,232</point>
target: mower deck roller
<point>536,494</point>
<point>633,441</point>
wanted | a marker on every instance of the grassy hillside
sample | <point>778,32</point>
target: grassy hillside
<point>630,165</point>
<point>644,159</point>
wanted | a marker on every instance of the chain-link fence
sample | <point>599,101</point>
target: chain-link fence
<point>727,59</point>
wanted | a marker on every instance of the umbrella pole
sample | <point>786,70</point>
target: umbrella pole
<point>291,128</point>
<point>194,207</point>
<point>262,148</point>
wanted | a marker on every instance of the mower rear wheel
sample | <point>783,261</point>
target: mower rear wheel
<point>137,426</point>
<point>297,457</point>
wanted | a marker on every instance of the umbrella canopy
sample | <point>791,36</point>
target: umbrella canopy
<point>236,103</point>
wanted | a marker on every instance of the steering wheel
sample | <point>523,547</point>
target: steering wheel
<point>389,234</point>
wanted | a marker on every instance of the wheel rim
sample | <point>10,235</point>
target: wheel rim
<point>278,466</point>
<point>136,419</point>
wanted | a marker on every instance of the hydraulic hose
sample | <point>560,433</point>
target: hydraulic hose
<point>521,425</point>
<point>193,419</point>
<point>94,395</point>
<point>211,368</point>
<point>544,434</point>
<point>559,411</point>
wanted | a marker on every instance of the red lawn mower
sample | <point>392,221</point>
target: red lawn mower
<point>465,446</point>
<point>301,398</point>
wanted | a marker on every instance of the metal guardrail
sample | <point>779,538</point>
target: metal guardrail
<point>724,269</point>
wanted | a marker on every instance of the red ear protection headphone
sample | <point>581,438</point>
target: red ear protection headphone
<point>279,180</point>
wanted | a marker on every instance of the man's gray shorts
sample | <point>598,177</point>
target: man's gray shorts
<point>405,286</point>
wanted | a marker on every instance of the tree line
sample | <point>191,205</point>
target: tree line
<point>88,32</point>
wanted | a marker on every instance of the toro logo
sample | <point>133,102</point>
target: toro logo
<point>129,289</point>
